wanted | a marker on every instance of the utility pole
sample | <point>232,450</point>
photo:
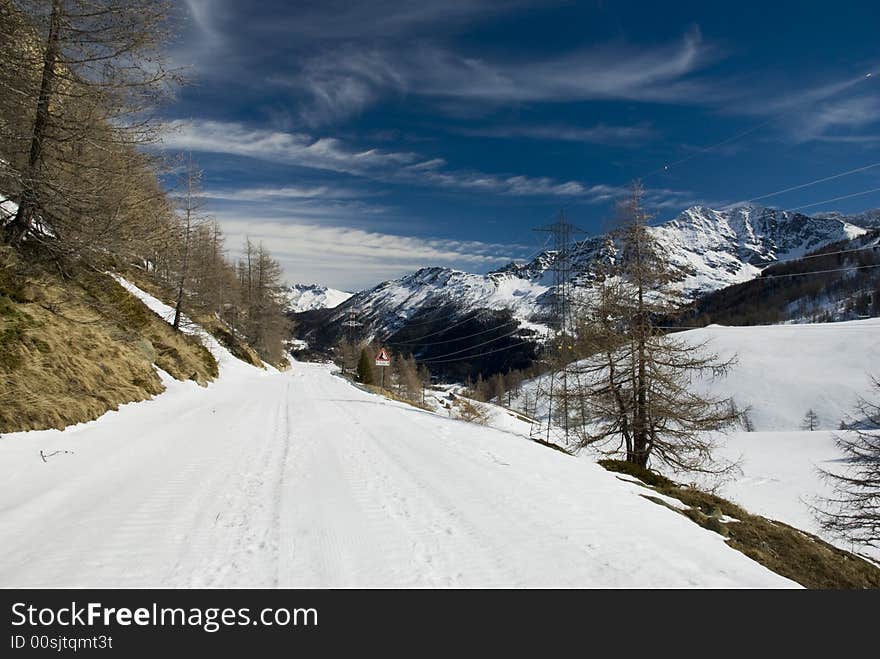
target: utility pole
<point>560,342</point>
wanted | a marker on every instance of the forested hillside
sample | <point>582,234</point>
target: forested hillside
<point>840,281</point>
<point>84,195</point>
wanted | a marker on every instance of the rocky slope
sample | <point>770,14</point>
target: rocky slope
<point>707,250</point>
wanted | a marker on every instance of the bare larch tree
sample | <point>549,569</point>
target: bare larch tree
<point>81,80</point>
<point>852,512</point>
<point>636,390</point>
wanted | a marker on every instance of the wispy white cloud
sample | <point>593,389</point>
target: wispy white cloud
<point>837,111</point>
<point>342,82</point>
<point>352,259</point>
<point>598,134</point>
<point>284,192</point>
<point>325,153</point>
<point>839,118</point>
<point>606,72</point>
<point>343,20</point>
<point>332,154</point>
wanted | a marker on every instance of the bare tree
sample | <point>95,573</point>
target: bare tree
<point>497,388</point>
<point>635,390</point>
<point>84,76</point>
<point>410,380</point>
<point>264,321</point>
<point>853,510</point>
<point>190,221</point>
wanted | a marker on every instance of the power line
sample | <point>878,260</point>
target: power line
<point>448,327</point>
<point>702,151</point>
<point>816,256</point>
<point>487,352</point>
<point>817,181</point>
<point>459,338</point>
<point>817,272</point>
<point>456,352</point>
<point>828,201</point>
<point>812,326</point>
<point>407,323</point>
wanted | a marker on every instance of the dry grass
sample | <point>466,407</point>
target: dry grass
<point>800,556</point>
<point>393,396</point>
<point>72,349</point>
<point>210,323</point>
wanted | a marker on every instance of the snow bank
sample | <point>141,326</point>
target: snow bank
<point>226,361</point>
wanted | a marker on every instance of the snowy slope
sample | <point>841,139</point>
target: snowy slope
<point>268,478</point>
<point>785,370</point>
<point>715,248</point>
<point>306,297</point>
<point>868,219</point>
<point>706,250</point>
<point>782,371</point>
<point>388,306</point>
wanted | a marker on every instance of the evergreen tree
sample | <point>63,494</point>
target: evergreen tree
<point>365,368</point>
<point>811,420</point>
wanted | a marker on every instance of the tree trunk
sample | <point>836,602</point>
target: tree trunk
<point>23,219</point>
<point>185,264</point>
<point>640,430</point>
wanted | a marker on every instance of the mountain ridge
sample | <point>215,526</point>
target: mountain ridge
<point>706,249</point>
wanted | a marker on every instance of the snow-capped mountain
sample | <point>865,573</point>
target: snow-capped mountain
<point>711,249</point>
<point>868,219</point>
<point>706,249</point>
<point>306,297</point>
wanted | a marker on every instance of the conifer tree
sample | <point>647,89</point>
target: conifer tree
<point>365,368</point>
<point>811,420</point>
<point>634,392</point>
<point>852,512</point>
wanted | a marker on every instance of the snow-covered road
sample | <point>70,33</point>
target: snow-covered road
<point>300,479</point>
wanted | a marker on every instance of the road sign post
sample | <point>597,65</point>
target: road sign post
<point>383,359</point>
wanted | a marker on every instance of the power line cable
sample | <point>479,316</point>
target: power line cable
<point>460,338</point>
<point>816,256</point>
<point>448,327</point>
<point>812,326</point>
<point>487,352</point>
<point>702,151</point>
<point>456,352</point>
<point>817,272</point>
<point>439,315</point>
<point>828,201</point>
<point>815,182</point>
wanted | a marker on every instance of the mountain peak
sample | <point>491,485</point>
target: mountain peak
<point>706,249</point>
<point>307,297</point>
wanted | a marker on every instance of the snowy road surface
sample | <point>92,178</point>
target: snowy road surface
<point>300,479</point>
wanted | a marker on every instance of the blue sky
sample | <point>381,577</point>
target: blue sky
<point>362,140</point>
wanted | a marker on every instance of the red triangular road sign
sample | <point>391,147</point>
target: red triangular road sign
<point>383,356</point>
